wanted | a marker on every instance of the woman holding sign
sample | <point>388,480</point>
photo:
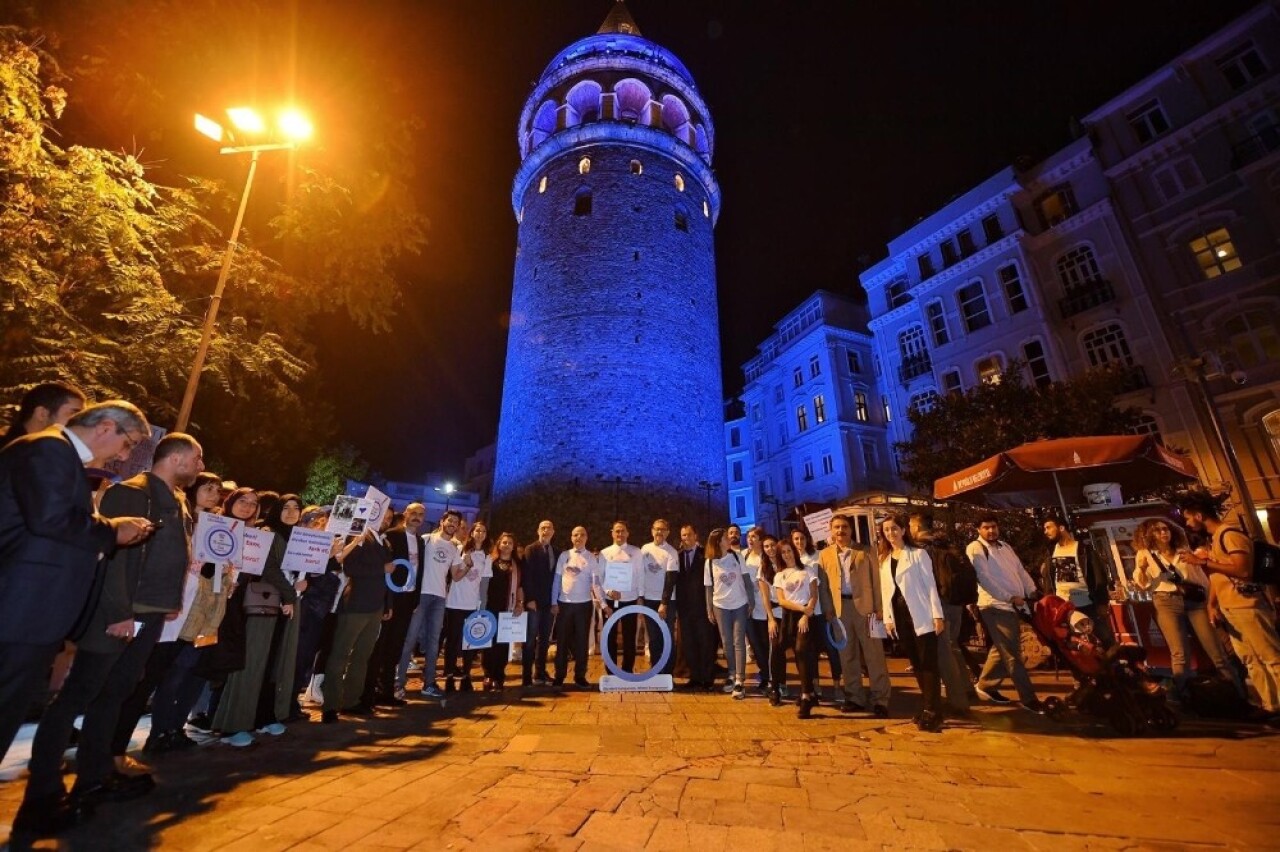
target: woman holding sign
<point>467,591</point>
<point>504,595</point>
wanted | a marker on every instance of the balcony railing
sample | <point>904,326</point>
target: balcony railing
<point>914,366</point>
<point>1256,146</point>
<point>1088,295</point>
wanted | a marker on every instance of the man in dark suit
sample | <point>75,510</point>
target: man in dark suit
<point>380,685</point>
<point>537,575</point>
<point>41,407</point>
<point>686,586</point>
<point>51,541</point>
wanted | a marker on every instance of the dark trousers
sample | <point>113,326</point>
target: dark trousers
<point>380,682</point>
<point>803,645</point>
<point>758,637</point>
<point>494,659</point>
<point>574,633</point>
<point>178,691</point>
<point>453,620</point>
<point>98,730</point>
<point>84,682</point>
<point>316,621</point>
<point>627,628</point>
<point>24,672</point>
<point>533,660</point>
<point>656,641</point>
<point>697,636</point>
<point>922,650</point>
<point>821,643</point>
<point>158,665</point>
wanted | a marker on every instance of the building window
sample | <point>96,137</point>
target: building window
<point>860,406</point>
<point>1253,338</point>
<point>777,395</point>
<point>802,418</point>
<point>950,257</point>
<point>1147,425</point>
<point>1037,363</point>
<point>897,293</point>
<point>1056,205</point>
<point>782,433</point>
<point>756,414</point>
<point>819,409</point>
<point>1014,295</point>
<point>815,367</point>
<point>870,461</point>
<point>679,181</point>
<point>788,480</point>
<point>926,266</point>
<point>1148,121</point>
<point>797,377</point>
<point>923,403</point>
<point>965,240</point>
<point>988,369</point>
<point>911,342</point>
<point>737,471</point>
<point>852,361</point>
<point>735,437</point>
<point>1176,179</point>
<point>828,464</point>
<point>1241,66</point>
<point>739,507</point>
<point>1271,423</point>
<point>542,184</point>
<point>706,210</point>
<point>582,204</point>
<point>637,168</point>
<point>759,443</point>
<point>1215,253</point>
<point>991,228</point>
<point>1107,345</point>
<point>808,470</point>
<point>682,221</point>
<point>875,364</point>
<point>951,382</point>
<point>973,307</point>
<point>1077,268</point>
<point>937,324</point>
<point>584,166</point>
<point>762,489</point>
<point>888,412</point>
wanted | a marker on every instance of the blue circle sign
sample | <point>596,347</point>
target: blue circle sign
<point>479,628</point>
<point>607,655</point>
<point>837,635</point>
<point>410,582</point>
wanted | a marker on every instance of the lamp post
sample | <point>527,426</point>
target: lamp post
<point>447,490</point>
<point>708,487</point>
<point>618,483</point>
<point>777,510</point>
<point>295,128</point>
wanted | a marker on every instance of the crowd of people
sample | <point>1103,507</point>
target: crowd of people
<point>106,579</point>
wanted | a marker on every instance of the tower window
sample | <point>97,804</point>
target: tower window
<point>582,204</point>
<point>584,166</point>
<point>682,221</point>
<point>706,210</point>
<point>679,181</point>
<point>636,167</point>
<point>542,184</point>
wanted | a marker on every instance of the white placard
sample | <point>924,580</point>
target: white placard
<point>876,628</point>
<point>379,506</point>
<point>618,577</point>
<point>512,627</point>
<point>350,515</point>
<point>307,551</point>
<point>218,539</point>
<point>819,525</point>
<point>253,556</point>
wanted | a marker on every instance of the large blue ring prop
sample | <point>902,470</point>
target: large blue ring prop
<point>838,642</point>
<point>480,627</point>
<point>409,583</point>
<point>607,655</point>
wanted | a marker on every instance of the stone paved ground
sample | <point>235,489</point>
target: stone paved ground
<point>670,771</point>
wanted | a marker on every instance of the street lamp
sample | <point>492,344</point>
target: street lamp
<point>447,491</point>
<point>294,127</point>
<point>777,510</point>
<point>708,487</point>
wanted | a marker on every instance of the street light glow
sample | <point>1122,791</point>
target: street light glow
<point>294,125</point>
<point>209,127</point>
<point>246,119</point>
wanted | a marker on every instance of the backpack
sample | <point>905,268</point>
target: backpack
<point>1266,557</point>
<point>957,581</point>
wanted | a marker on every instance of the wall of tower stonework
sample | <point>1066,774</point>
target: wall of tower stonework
<point>613,364</point>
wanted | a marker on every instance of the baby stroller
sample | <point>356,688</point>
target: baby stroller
<point>1112,683</point>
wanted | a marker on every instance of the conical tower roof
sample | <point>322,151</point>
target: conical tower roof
<point>619,20</point>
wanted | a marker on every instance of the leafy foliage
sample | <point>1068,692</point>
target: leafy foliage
<point>328,474</point>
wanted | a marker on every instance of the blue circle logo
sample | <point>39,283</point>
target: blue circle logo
<point>607,656</point>
<point>837,635</point>
<point>410,582</point>
<point>480,628</point>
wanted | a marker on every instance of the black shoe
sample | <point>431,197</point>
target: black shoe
<point>116,788</point>
<point>50,816</point>
<point>449,685</point>
<point>329,717</point>
<point>526,681</point>
<point>930,722</point>
<point>180,741</point>
<point>466,685</point>
<point>994,696</point>
<point>1035,706</point>
<point>582,683</point>
<point>775,698</point>
<point>201,722</point>
<point>361,709</point>
<point>848,706</point>
<point>806,708</point>
<point>880,711</point>
<point>159,742</point>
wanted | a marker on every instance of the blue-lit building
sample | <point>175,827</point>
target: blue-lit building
<point>613,356</point>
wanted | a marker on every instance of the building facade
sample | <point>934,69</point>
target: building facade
<point>613,356</point>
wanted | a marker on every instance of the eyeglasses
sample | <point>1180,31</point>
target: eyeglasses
<point>129,441</point>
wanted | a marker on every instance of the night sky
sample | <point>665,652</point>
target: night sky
<point>838,124</point>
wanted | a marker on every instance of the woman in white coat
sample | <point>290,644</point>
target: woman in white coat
<point>912,611</point>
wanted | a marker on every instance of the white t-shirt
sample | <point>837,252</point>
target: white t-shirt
<point>623,554</point>
<point>753,562</point>
<point>799,584</point>
<point>724,576</point>
<point>441,555</point>
<point>465,593</point>
<point>658,560</point>
<point>1068,578</point>
<point>576,573</point>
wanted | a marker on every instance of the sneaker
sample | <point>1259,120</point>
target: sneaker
<point>729,687</point>
<point>739,692</point>
<point>880,711</point>
<point>1035,706</point>
<point>993,696</point>
<point>432,692</point>
<point>414,667</point>
<point>240,740</point>
<point>275,729</point>
<point>399,694</point>
<point>201,722</point>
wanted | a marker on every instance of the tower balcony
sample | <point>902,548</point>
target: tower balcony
<point>1088,295</point>
<point>914,366</point>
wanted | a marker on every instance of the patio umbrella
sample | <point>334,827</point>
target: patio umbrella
<point>1036,474</point>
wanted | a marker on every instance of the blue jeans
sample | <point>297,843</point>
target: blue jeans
<point>733,635</point>
<point>424,631</point>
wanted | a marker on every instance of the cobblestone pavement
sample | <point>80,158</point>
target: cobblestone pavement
<point>582,770</point>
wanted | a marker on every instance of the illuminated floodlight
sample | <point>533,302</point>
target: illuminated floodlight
<point>246,119</point>
<point>209,127</point>
<point>294,125</point>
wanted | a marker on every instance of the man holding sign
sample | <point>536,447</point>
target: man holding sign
<point>623,585</point>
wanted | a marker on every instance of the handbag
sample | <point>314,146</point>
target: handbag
<point>261,599</point>
<point>1191,592</point>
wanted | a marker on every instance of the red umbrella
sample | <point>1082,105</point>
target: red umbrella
<point>1035,474</point>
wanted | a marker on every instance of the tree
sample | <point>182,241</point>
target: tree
<point>328,474</point>
<point>963,428</point>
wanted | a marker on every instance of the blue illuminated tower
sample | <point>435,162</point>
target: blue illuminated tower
<point>613,358</point>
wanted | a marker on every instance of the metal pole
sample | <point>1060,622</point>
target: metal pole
<point>1062,501</point>
<point>210,317</point>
